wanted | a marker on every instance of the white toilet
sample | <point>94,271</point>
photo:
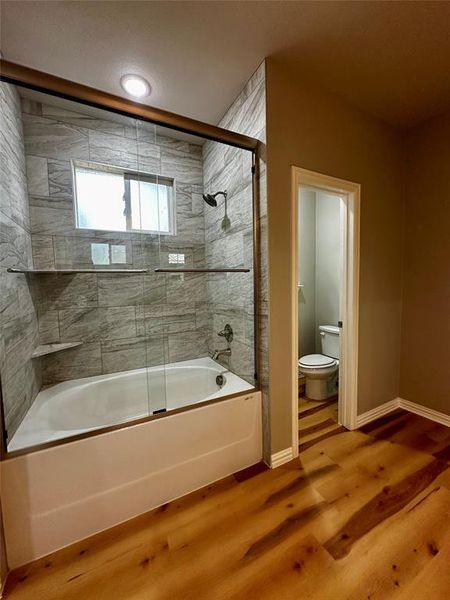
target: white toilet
<point>321,370</point>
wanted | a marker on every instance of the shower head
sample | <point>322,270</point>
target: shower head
<point>211,198</point>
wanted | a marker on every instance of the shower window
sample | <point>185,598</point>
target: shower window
<point>113,199</point>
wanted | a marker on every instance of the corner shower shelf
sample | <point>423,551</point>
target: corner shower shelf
<point>72,271</point>
<point>57,347</point>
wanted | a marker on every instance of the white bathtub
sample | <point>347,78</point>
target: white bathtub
<point>81,405</point>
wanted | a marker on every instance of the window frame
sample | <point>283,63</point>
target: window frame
<point>128,175</point>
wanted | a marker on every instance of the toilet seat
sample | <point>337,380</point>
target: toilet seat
<point>317,361</point>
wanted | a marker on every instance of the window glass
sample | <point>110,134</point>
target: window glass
<point>99,198</point>
<point>110,198</point>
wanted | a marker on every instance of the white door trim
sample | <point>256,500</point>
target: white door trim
<point>351,194</point>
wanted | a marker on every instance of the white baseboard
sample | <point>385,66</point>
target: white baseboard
<point>376,413</point>
<point>424,411</point>
<point>279,458</point>
<point>388,407</point>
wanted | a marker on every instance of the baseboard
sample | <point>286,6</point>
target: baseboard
<point>376,413</point>
<point>279,458</point>
<point>412,407</point>
<point>424,411</point>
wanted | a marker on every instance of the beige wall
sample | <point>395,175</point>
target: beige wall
<point>312,129</point>
<point>425,355</point>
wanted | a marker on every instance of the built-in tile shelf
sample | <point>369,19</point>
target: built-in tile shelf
<point>73,271</point>
<point>51,348</point>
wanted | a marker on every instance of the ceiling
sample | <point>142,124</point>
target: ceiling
<point>389,58</point>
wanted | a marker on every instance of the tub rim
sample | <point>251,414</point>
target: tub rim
<point>6,454</point>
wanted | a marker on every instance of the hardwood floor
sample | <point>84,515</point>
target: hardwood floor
<point>360,515</point>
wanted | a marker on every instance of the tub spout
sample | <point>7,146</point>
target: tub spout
<point>218,353</point>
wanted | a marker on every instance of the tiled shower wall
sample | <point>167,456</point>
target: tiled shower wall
<point>124,321</point>
<point>230,297</point>
<point>20,375</point>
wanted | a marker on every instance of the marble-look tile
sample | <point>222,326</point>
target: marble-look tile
<point>18,323</point>
<point>20,336</point>
<point>216,288</point>
<point>185,346</point>
<point>234,317</point>
<point>111,124</point>
<point>183,196</point>
<point>83,361</point>
<point>258,78</point>
<point>31,107</point>
<point>215,253</point>
<point>146,132</point>
<point>113,150</point>
<point>146,252</point>
<point>124,354</point>
<point>53,139</point>
<point>48,324</point>
<point>240,289</point>
<point>37,175</point>
<point>196,150</point>
<point>242,361</point>
<point>163,319</point>
<point>148,158</point>
<point>191,229</point>
<point>46,220</point>
<point>15,244</point>
<point>13,184</point>
<point>185,285</point>
<point>43,253</point>
<point>232,114</point>
<point>234,250</point>
<point>157,353</point>
<point>231,297</point>
<point>120,290</point>
<point>171,142</point>
<point>65,291</point>
<point>92,324</point>
<point>184,168</point>
<point>251,118</point>
<point>155,288</point>
<point>18,394</point>
<point>60,178</point>
<point>75,250</point>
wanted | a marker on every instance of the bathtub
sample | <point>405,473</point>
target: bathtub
<point>82,405</point>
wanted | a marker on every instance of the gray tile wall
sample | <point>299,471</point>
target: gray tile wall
<point>125,321</point>
<point>129,321</point>
<point>21,376</point>
<point>230,297</point>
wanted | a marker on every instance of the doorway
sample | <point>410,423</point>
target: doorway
<point>325,281</point>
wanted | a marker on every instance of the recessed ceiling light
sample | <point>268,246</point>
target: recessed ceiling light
<point>135,85</point>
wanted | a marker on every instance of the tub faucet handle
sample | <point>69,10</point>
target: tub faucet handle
<point>227,333</point>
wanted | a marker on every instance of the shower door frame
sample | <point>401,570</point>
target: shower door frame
<point>40,81</point>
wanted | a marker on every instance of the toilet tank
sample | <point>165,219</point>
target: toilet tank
<point>329,340</point>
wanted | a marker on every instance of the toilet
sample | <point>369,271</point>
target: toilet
<point>321,370</point>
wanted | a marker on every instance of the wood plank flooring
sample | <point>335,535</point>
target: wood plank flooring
<point>360,515</point>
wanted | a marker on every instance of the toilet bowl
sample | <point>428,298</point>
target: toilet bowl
<point>321,370</point>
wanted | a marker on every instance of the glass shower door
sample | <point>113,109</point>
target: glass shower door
<point>150,207</point>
